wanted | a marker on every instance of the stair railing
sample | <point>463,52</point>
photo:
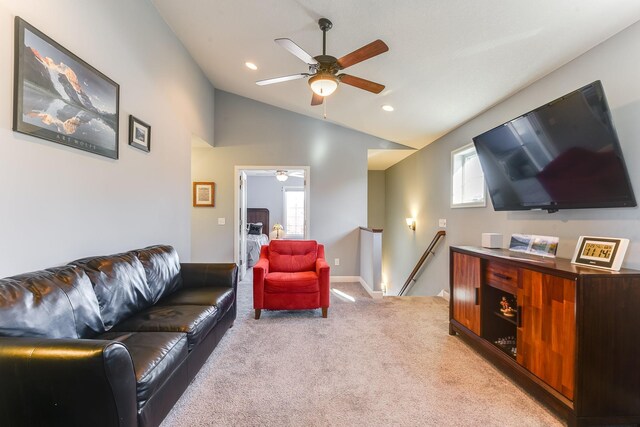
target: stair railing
<point>412,277</point>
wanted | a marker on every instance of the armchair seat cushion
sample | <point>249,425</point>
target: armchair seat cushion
<point>300,282</point>
<point>222,298</point>
<point>194,320</point>
<point>156,356</point>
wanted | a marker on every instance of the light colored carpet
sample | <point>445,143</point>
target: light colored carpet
<point>371,363</point>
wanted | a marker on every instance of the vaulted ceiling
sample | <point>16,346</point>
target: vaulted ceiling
<point>448,60</point>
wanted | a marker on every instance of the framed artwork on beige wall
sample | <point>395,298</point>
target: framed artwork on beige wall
<point>204,194</point>
<point>61,98</point>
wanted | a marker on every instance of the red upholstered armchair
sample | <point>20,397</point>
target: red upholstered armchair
<point>291,275</point>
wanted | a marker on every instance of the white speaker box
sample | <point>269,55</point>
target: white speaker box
<point>491,240</point>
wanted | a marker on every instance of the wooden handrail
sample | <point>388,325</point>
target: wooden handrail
<point>423,258</point>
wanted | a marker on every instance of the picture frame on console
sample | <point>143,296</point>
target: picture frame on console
<point>139,134</point>
<point>600,252</point>
<point>61,98</point>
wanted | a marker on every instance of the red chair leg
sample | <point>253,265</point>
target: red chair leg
<point>325,311</point>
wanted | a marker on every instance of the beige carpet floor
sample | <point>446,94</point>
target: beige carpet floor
<point>371,363</point>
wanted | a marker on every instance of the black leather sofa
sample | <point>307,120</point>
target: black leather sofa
<point>111,340</point>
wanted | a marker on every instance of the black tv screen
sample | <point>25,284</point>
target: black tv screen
<point>563,155</point>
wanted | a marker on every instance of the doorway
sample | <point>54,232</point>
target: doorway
<point>278,195</point>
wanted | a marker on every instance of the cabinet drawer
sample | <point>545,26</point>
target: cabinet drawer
<point>501,276</point>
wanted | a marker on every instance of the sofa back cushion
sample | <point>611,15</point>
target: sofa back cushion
<point>54,303</point>
<point>162,268</point>
<point>120,285</point>
<point>289,256</point>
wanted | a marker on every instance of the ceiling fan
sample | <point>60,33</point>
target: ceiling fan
<point>323,69</point>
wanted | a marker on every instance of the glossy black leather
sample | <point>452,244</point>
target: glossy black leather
<point>120,284</point>
<point>201,275</point>
<point>49,375</point>
<point>54,303</point>
<point>162,267</point>
<point>156,355</point>
<point>194,320</point>
<point>66,382</point>
<point>222,298</point>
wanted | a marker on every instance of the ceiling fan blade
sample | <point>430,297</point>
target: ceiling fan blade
<point>365,52</point>
<point>281,79</point>
<point>316,99</point>
<point>361,83</point>
<point>296,50</point>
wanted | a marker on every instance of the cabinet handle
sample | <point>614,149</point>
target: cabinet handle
<point>519,316</point>
<point>477,296</point>
<point>502,276</point>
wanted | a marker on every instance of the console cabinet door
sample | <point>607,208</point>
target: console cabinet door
<point>547,329</point>
<point>465,291</point>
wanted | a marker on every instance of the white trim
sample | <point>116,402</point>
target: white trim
<point>236,203</point>
<point>344,279</point>
<point>444,294</point>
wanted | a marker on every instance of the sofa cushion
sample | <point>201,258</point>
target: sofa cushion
<point>155,355</point>
<point>222,298</point>
<point>302,282</point>
<point>120,284</point>
<point>292,255</point>
<point>162,267</point>
<point>54,303</point>
<point>194,320</point>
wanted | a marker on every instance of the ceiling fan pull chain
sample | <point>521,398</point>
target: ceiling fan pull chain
<point>324,107</point>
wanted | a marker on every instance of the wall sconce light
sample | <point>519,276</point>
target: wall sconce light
<point>411,223</point>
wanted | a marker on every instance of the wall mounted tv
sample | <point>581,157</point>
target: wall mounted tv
<point>563,155</point>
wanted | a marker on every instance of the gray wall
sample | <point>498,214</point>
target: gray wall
<point>60,203</point>
<point>266,192</point>
<point>420,185</point>
<point>375,199</point>
<point>252,133</point>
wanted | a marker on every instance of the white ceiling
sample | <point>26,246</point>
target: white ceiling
<point>448,60</point>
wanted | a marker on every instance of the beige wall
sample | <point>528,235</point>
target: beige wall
<point>420,185</point>
<point>375,199</point>
<point>251,133</point>
<point>59,203</point>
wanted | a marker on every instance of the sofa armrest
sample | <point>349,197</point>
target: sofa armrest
<point>260,270</point>
<point>83,382</point>
<point>324,272</point>
<point>211,274</point>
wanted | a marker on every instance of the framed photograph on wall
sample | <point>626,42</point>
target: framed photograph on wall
<point>600,252</point>
<point>59,97</point>
<point>139,134</point>
<point>204,194</point>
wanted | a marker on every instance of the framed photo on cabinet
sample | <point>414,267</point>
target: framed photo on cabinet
<point>204,194</point>
<point>600,252</point>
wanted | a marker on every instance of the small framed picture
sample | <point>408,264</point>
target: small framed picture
<point>204,194</point>
<point>139,134</point>
<point>600,252</point>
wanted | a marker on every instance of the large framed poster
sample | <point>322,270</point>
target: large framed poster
<point>59,97</point>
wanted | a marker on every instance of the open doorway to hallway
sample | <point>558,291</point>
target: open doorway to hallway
<point>272,202</point>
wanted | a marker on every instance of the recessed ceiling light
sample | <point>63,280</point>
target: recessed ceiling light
<point>387,108</point>
<point>251,66</point>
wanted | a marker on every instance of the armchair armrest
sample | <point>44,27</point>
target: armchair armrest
<point>80,382</point>
<point>323,271</point>
<point>211,274</point>
<point>260,270</point>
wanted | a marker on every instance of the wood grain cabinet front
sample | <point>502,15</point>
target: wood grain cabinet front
<point>567,334</point>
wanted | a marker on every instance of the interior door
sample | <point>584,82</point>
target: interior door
<point>242,232</point>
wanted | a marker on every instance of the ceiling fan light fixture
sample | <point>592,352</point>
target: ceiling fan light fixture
<point>281,175</point>
<point>323,84</point>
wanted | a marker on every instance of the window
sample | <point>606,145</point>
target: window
<point>294,212</point>
<point>467,179</point>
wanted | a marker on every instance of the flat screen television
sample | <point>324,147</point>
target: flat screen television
<point>562,155</point>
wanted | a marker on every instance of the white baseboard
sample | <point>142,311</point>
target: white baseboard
<point>444,294</point>
<point>373,294</point>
